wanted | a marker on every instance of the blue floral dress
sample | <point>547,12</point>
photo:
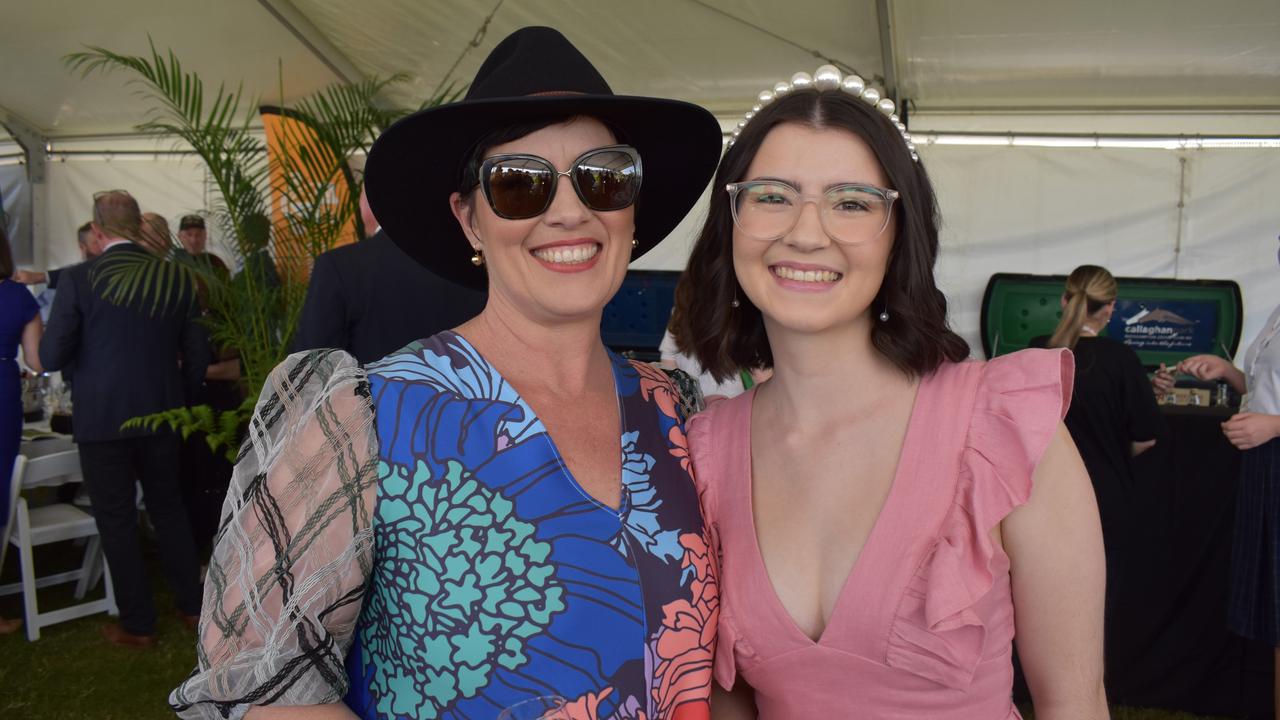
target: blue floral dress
<point>489,574</point>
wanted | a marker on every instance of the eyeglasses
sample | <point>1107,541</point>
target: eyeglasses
<point>522,186</point>
<point>849,214</point>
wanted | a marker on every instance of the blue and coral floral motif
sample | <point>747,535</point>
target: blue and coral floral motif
<point>497,577</point>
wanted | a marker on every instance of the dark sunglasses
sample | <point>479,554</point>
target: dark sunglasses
<point>521,186</point>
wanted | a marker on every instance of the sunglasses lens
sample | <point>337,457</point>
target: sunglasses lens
<point>607,180</point>
<point>520,187</point>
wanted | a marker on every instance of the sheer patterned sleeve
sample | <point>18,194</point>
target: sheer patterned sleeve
<point>285,585</point>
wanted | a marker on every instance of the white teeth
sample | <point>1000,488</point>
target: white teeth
<point>571,256</point>
<point>821,276</point>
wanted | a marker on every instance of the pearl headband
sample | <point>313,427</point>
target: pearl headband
<point>828,77</point>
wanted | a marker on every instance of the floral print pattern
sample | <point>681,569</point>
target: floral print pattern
<point>496,577</point>
<point>482,585</point>
<point>685,645</point>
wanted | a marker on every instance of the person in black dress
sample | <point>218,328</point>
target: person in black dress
<point>1114,415</point>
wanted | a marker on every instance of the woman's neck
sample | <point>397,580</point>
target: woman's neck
<point>563,354</point>
<point>821,377</point>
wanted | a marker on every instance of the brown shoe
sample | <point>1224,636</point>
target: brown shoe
<point>117,635</point>
<point>10,625</point>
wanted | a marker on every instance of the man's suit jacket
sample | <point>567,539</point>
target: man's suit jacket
<point>126,357</point>
<point>371,299</point>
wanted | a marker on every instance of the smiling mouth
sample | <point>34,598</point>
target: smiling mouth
<point>810,276</point>
<point>571,255</point>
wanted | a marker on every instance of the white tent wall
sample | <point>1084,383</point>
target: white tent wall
<point>168,185</point>
<point>17,209</point>
<point>1232,225</point>
<point>1047,210</point>
<point>1004,209</point>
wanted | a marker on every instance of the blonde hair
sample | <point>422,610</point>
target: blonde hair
<point>1088,289</point>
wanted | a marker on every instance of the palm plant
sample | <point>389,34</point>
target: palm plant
<point>255,313</point>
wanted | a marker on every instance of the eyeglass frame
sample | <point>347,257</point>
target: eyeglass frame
<point>487,164</point>
<point>890,196</point>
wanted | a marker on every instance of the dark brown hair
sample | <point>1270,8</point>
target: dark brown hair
<point>916,338</point>
<point>6,256</point>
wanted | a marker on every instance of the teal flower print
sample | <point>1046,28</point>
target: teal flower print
<point>460,585</point>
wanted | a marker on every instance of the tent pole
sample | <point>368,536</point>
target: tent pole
<point>888,54</point>
<point>1182,205</point>
<point>36,148</point>
<point>292,19</point>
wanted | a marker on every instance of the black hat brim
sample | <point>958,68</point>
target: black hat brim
<point>416,164</point>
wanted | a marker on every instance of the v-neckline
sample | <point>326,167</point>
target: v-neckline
<point>619,511</point>
<point>895,491</point>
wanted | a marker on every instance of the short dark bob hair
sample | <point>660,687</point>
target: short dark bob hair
<point>916,337</point>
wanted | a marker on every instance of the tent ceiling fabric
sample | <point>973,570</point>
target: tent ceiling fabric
<point>234,41</point>
<point>986,54</point>
<point>684,49</point>
<point>978,56</point>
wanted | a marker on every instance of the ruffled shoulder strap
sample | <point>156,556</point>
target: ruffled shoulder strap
<point>1022,397</point>
<point>715,437</point>
<point>715,443</point>
<point>1018,402</point>
<point>284,587</point>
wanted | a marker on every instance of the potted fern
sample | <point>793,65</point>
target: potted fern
<point>255,312</point>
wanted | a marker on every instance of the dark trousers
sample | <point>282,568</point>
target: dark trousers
<point>110,469</point>
<point>205,477</point>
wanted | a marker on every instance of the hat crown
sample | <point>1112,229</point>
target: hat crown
<point>536,61</point>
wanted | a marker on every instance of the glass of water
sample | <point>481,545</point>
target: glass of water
<point>543,707</point>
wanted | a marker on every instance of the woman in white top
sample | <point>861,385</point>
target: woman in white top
<point>1255,553</point>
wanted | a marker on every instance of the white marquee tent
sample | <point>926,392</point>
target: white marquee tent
<point>1143,135</point>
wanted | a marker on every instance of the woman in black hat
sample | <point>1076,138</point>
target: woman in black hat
<point>500,512</point>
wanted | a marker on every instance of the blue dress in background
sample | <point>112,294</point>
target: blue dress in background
<point>17,307</point>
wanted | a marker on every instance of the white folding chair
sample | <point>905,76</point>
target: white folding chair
<point>29,527</point>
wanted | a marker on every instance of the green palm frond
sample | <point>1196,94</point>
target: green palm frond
<point>219,132</point>
<point>256,311</point>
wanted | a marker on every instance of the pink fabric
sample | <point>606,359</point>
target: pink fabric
<point>924,624</point>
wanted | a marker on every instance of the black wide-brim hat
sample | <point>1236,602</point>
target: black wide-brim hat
<point>534,73</point>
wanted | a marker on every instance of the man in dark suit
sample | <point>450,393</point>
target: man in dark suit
<point>131,360</point>
<point>89,249</point>
<point>372,299</point>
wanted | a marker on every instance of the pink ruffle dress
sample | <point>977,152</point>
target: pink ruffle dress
<point>923,627</point>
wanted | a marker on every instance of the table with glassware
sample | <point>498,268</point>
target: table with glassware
<point>46,405</point>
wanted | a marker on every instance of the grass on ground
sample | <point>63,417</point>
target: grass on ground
<point>71,672</point>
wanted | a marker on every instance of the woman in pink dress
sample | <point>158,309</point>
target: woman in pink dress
<point>882,510</point>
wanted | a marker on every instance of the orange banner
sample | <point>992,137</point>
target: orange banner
<point>310,193</point>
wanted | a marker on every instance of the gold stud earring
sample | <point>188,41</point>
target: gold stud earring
<point>478,258</point>
<point>635,243</point>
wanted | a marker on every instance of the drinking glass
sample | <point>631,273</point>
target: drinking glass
<point>543,707</point>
